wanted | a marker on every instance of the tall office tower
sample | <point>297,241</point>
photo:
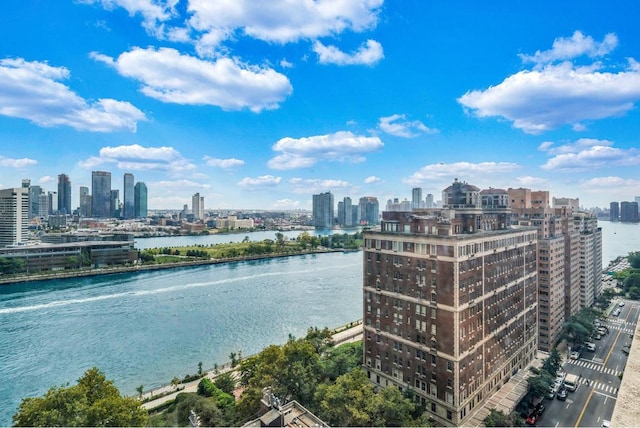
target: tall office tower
<point>571,265</point>
<point>355,215</point>
<point>34,201</point>
<point>128,202</point>
<point>140,200</point>
<point>114,204</point>
<point>323,210</point>
<point>429,201</point>
<point>369,210</point>
<point>14,216</point>
<point>101,194</point>
<point>637,199</point>
<point>629,212</point>
<point>450,303</point>
<point>531,208</point>
<point>43,205</point>
<point>64,194</point>
<point>416,198</point>
<point>52,203</point>
<point>85,202</point>
<point>348,212</point>
<point>614,211</point>
<point>197,206</point>
<point>340,217</point>
<point>26,183</point>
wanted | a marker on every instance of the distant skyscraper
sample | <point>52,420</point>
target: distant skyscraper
<point>416,200</point>
<point>34,201</point>
<point>42,206</point>
<point>26,183</point>
<point>14,216</point>
<point>614,211</point>
<point>114,204</point>
<point>101,194</point>
<point>369,210</point>
<point>64,194</point>
<point>128,202</point>
<point>197,206</point>
<point>429,201</point>
<point>140,200</point>
<point>348,212</point>
<point>629,212</point>
<point>85,202</point>
<point>323,210</point>
<point>52,202</point>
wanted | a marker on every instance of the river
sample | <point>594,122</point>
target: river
<point>146,328</point>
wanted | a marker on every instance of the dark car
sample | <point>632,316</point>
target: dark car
<point>562,394</point>
<point>533,418</point>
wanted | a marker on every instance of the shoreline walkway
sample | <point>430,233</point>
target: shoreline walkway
<point>168,393</point>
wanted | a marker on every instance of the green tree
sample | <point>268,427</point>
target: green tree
<point>234,359</point>
<point>140,389</point>
<point>175,382</point>
<point>347,401</point>
<point>280,241</point>
<point>497,418</point>
<point>634,259</point>
<point>94,401</point>
<point>226,382</point>
<point>200,368</point>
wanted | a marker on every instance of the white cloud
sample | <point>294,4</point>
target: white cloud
<point>32,91</point>
<point>372,180</point>
<point>285,64</point>
<point>530,182</point>
<point>398,126</point>
<point>307,186</point>
<point>615,188</point>
<point>171,77</point>
<point>442,170</point>
<point>16,163</point>
<point>264,181</point>
<point>136,157</point>
<point>280,21</point>
<point>553,95</point>
<point>342,146</point>
<point>285,204</point>
<point>46,179</point>
<point>587,154</point>
<point>179,185</point>
<point>223,163</point>
<point>368,54</point>
<point>568,48</point>
<point>153,12</point>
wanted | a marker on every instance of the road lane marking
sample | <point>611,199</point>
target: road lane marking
<point>606,395</point>
<point>584,408</point>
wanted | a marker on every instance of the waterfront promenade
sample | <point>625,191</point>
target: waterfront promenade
<point>168,393</point>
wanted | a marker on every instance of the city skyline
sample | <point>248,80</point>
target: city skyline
<point>361,97</point>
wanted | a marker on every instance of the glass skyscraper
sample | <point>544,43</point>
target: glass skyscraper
<point>140,200</point>
<point>101,194</point>
<point>128,203</point>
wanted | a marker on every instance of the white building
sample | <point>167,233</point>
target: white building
<point>14,216</point>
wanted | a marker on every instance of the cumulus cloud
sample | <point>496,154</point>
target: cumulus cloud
<point>397,125</point>
<point>255,183</point>
<point>368,54</point>
<point>17,163</point>
<point>171,77</point>
<point>615,188</point>
<point>223,163</point>
<point>136,157</point>
<point>372,180</point>
<point>314,185</point>
<point>46,179</point>
<point>530,182</point>
<point>342,146</point>
<point>153,12</point>
<point>32,91</point>
<point>586,154</point>
<point>564,48</point>
<point>442,170</point>
<point>281,21</point>
<point>555,94</point>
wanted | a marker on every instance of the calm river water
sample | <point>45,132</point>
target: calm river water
<point>146,328</point>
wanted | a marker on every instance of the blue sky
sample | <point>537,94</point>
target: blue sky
<point>260,104</point>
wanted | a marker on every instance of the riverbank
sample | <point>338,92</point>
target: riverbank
<point>158,398</point>
<point>111,270</point>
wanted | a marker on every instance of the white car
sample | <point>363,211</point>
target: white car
<point>590,346</point>
<point>575,355</point>
<point>621,304</point>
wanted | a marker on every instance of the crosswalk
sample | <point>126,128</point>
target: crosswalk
<point>599,386</point>
<point>594,366</point>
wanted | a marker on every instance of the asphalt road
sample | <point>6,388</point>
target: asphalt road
<point>596,395</point>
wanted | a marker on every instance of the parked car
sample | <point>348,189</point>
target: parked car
<point>603,330</point>
<point>590,346</point>
<point>621,304</point>
<point>562,394</point>
<point>575,355</point>
<point>598,336</point>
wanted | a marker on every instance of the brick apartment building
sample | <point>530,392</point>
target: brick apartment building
<point>450,301</point>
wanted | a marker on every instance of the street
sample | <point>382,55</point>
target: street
<point>598,373</point>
